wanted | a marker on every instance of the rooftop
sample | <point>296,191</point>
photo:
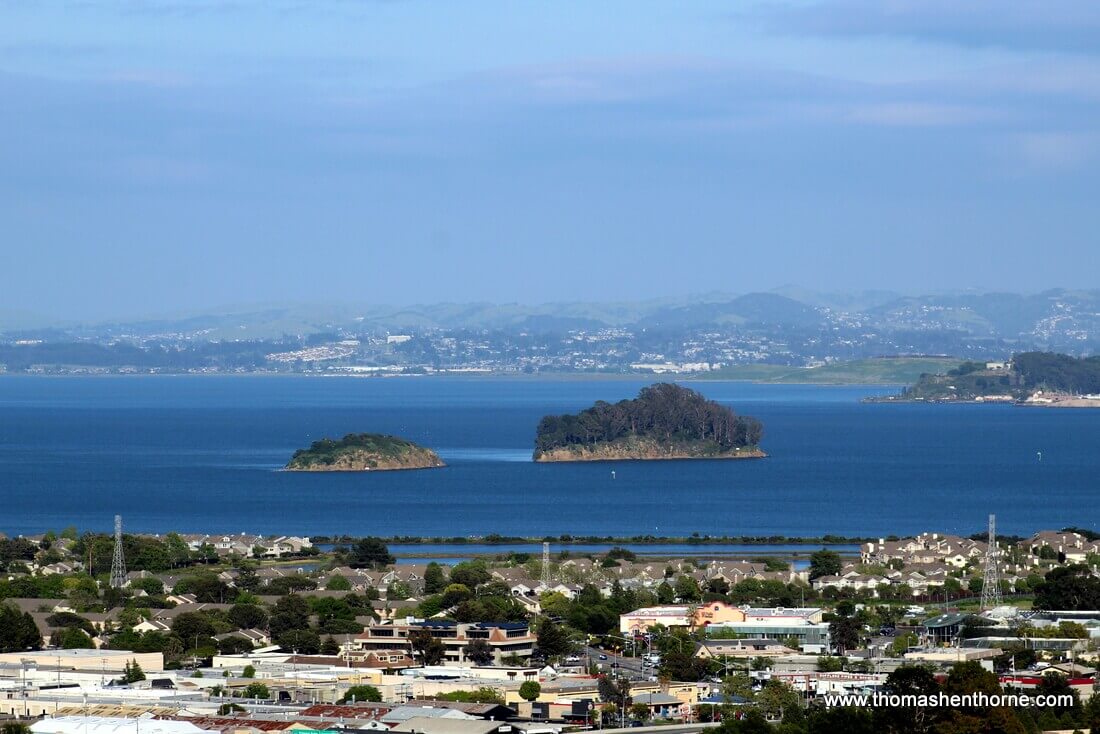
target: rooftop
<point>111,725</point>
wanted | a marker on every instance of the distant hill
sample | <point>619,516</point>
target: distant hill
<point>753,308</point>
<point>1056,375</point>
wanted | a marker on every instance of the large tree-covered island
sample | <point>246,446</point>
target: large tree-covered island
<point>665,421</point>
<point>363,452</point>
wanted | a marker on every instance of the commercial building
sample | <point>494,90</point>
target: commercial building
<point>797,625</point>
<point>503,638</point>
<point>691,617</point>
<point>97,661</point>
<point>110,725</point>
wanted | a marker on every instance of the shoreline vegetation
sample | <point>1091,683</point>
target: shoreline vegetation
<point>694,539</point>
<point>646,451</point>
<point>359,452</point>
<point>666,421</point>
<point>1031,379</point>
<point>901,370</point>
<point>879,371</point>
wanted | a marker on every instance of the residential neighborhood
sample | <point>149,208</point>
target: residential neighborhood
<point>248,633</point>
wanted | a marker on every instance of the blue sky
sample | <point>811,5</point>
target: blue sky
<point>181,154</point>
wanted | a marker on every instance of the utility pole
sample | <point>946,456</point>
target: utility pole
<point>991,583</point>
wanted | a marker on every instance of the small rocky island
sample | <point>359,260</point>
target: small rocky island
<point>665,421</point>
<point>363,452</point>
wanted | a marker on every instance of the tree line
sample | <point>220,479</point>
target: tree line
<point>664,411</point>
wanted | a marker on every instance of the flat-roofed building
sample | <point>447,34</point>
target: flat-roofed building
<point>682,615</point>
<point>503,638</point>
<point>111,661</point>
<point>111,725</point>
<point>801,625</point>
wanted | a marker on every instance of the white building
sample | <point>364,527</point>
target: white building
<point>110,725</point>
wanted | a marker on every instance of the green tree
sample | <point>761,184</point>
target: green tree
<point>844,633</point>
<point>330,646</point>
<point>362,693</point>
<point>74,638</point>
<point>248,672</point>
<point>206,587</point>
<point>687,589</point>
<point>248,616</point>
<point>256,690</point>
<point>479,652</point>
<point>683,666</point>
<point>429,649</point>
<point>18,632</point>
<point>529,690</point>
<point>778,700</point>
<point>613,689</point>
<point>370,553</point>
<point>1068,587</point>
<point>552,640</point>
<point>825,563</point>
<point>132,672</point>
<point>455,594</point>
<point>737,686</point>
<point>484,694</point>
<point>639,712</point>
<point>302,641</point>
<point>470,574</point>
<point>289,613</point>
<point>336,582</point>
<point>434,578</point>
<point>665,593</point>
<point>194,628</point>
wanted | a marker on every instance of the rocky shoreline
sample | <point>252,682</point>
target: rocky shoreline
<point>643,451</point>
<point>363,453</point>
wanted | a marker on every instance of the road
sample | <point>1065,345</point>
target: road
<point>662,729</point>
<point>631,667</point>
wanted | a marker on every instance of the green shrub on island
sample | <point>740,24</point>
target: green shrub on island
<point>664,421</point>
<point>363,452</point>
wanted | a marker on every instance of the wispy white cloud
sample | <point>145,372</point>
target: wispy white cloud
<point>919,114</point>
<point>1058,25</point>
<point>1055,151</point>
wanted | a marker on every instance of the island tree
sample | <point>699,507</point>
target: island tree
<point>663,412</point>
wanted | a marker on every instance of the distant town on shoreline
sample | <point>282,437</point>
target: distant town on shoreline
<point>777,336</point>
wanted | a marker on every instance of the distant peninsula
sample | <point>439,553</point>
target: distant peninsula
<point>363,452</point>
<point>665,421</point>
<point>1041,379</point>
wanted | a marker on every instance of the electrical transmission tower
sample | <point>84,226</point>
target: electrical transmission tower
<point>118,563</point>
<point>991,584</point>
<point>545,566</point>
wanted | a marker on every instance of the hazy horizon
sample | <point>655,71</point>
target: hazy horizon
<point>172,155</point>
<point>853,301</point>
